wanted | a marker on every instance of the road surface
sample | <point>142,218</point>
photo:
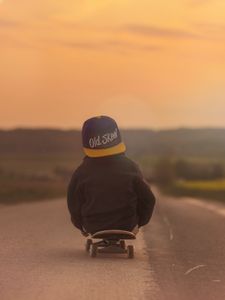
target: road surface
<point>180,255</point>
<point>186,247</point>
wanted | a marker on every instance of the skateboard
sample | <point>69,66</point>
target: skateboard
<point>111,241</point>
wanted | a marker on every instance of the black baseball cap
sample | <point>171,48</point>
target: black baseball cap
<point>101,137</point>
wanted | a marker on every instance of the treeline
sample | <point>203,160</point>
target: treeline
<point>178,142</point>
<point>40,141</point>
<point>168,170</point>
<point>38,163</point>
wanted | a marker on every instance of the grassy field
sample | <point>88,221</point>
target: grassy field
<point>37,164</point>
<point>33,164</point>
<point>32,178</point>
<point>28,177</point>
<point>214,189</point>
<point>15,190</point>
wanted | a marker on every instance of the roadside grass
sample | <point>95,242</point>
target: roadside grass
<point>35,177</point>
<point>17,190</point>
<point>212,189</point>
<point>37,164</point>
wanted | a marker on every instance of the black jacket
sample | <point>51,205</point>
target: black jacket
<point>109,193</point>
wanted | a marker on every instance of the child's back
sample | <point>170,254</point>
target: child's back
<point>108,192</point>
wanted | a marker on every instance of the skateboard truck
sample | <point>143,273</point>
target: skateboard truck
<point>111,241</point>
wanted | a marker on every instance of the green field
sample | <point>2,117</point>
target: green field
<point>35,177</point>
<point>29,177</point>
<point>212,189</point>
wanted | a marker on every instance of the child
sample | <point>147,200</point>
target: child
<point>107,190</point>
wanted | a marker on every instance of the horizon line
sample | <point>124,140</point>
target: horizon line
<point>169,128</point>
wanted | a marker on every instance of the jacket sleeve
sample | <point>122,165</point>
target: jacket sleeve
<point>146,201</point>
<point>74,200</point>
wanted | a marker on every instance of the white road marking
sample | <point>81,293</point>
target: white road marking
<point>165,219</point>
<point>193,269</point>
<point>167,222</point>
<point>214,207</point>
<point>171,234</point>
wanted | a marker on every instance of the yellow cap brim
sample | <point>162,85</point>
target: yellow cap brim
<point>120,148</point>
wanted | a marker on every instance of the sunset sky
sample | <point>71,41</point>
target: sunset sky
<point>152,64</point>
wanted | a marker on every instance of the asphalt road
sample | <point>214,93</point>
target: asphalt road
<point>186,247</point>
<point>180,255</point>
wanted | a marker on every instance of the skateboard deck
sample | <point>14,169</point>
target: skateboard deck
<point>114,235</point>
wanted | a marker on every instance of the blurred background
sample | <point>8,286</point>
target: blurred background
<point>157,67</point>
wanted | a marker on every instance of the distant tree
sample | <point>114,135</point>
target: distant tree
<point>218,171</point>
<point>182,169</point>
<point>164,171</point>
<point>1,171</point>
<point>63,172</point>
<point>198,171</point>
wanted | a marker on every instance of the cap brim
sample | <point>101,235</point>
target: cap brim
<point>120,148</point>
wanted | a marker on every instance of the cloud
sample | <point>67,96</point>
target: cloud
<point>213,31</point>
<point>8,23</point>
<point>117,45</point>
<point>155,31</point>
<point>137,29</point>
<point>80,45</point>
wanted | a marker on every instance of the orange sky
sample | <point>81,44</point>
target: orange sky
<point>146,63</point>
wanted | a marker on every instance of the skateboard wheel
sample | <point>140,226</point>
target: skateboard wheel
<point>123,244</point>
<point>130,251</point>
<point>88,244</point>
<point>93,250</point>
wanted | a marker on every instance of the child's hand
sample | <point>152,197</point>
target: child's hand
<point>135,230</point>
<point>84,233</point>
